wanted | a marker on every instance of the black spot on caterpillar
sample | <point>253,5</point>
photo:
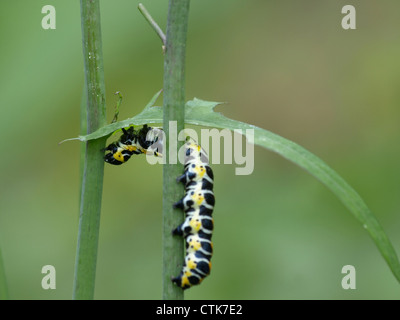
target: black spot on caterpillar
<point>197,203</point>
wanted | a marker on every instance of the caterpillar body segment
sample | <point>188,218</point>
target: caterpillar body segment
<point>150,140</point>
<point>187,278</point>
<point>195,242</point>
<point>193,224</point>
<point>196,267</point>
<point>195,173</point>
<point>195,198</point>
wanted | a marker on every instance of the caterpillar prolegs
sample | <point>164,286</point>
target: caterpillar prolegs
<point>197,203</point>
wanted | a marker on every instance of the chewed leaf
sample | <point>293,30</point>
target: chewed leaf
<point>199,112</point>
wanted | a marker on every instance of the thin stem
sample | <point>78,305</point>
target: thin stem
<point>92,181</point>
<point>152,22</point>
<point>3,282</point>
<point>174,104</point>
<point>116,111</point>
<point>83,131</point>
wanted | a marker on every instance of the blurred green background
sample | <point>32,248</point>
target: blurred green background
<point>286,66</point>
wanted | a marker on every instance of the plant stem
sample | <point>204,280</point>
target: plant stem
<point>3,282</point>
<point>152,22</point>
<point>174,110</point>
<point>83,131</point>
<point>92,181</point>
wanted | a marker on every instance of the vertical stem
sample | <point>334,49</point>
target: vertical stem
<point>82,131</point>
<point>92,181</point>
<point>174,104</point>
<point>3,282</point>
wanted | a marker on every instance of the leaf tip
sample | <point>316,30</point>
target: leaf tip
<point>81,138</point>
<point>204,104</point>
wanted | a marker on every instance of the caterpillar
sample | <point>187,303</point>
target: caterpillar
<point>132,142</point>
<point>197,203</point>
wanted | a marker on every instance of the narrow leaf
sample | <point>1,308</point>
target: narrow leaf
<point>200,112</point>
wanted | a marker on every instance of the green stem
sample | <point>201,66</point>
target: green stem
<point>152,23</point>
<point>92,181</point>
<point>3,282</point>
<point>174,110</point>
<point>83,130</point>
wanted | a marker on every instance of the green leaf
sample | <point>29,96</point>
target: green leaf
<point>199,112</point>
<point>149,114</point>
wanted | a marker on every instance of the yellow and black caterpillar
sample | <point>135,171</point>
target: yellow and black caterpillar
<point>197,203</point>
<point>132,142</point>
